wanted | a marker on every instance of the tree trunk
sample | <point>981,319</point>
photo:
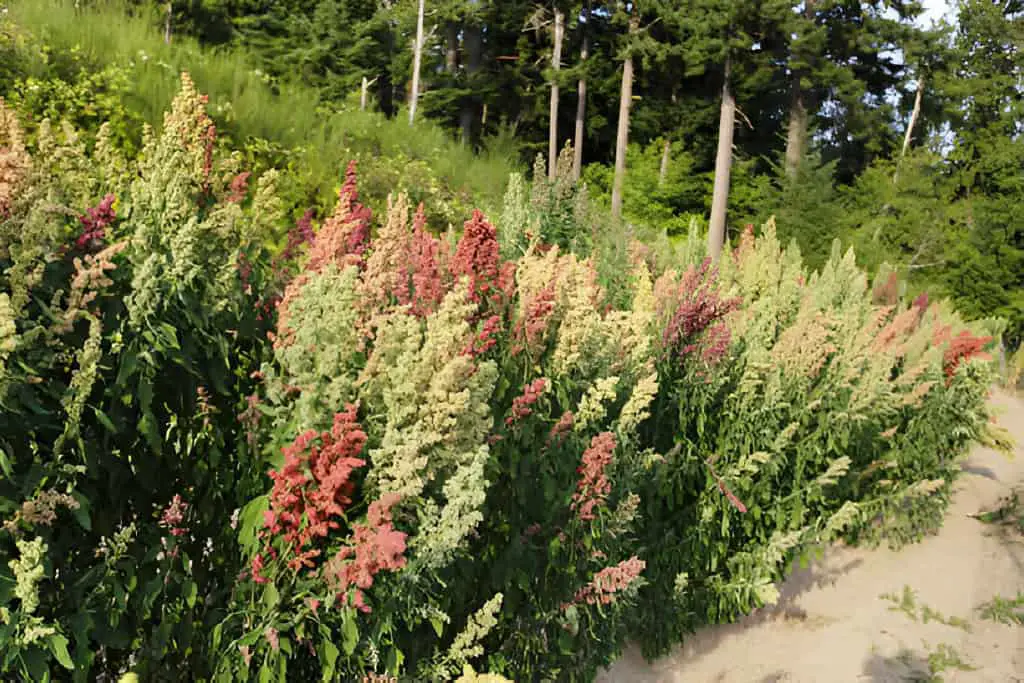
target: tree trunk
<point>167,25</point>
<point>796,132</point>
<point>451,54</point>
<point>417,56</point>
<point>473,45</point>
<point>362,94</point>
<point>556,63</point>
<point>622,137</point>
<point>723,166</point>
<point>913,116</point>
<point>581,103</point>
<point>666,152</point>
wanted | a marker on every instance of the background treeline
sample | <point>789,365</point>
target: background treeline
<point>847,119</point>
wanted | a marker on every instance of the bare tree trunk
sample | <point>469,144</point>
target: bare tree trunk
<point>581,113</point>
<point>723,166</point>
<point>362,94</point>
<point>666,153</point>
<point>796,131</point>
<point>167,24</point>
<point>451,54</point>
<point>556,64</point>
<point>473,44</point>
<point>913,116</point>
<point>581,102</point>
<point>417,57</point>
<point>622,137</point>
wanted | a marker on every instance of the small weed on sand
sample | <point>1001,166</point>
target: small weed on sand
<point>908,604</point>
<point>1009,611</point>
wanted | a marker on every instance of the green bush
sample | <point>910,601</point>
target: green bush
<point>383,452</point>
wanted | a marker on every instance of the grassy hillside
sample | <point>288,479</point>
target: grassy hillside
<point>276,124</point>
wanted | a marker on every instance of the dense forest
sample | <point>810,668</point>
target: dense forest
<point>846,118</point>
<point>405,340</point>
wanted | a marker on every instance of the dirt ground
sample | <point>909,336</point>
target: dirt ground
<point>832,624</point>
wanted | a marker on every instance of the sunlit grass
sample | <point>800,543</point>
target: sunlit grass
<point>248,106</point>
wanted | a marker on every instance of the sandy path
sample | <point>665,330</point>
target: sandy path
<point>832,626</point>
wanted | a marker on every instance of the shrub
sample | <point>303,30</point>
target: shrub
<point>128,340</point>
<point>377,451</point>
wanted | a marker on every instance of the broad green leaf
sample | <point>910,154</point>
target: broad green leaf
<point>271,596</point>
<point>329,658</point>
<point>107,423</point>
<point>82,512</point>
<point>349,632</point>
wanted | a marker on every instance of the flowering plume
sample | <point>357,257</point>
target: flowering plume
<point>963,347</point>
<point>376,546</point>
<point>561,428</point>
<point>313,487</point>
<point>697,323</point>
<point>344,236</point>
<point>95,222</point>
<point>477,257</point>
<point>608,583</point>
<point>90,279</point>
<point>14,160</point>
<point>386,278</point>
<point>521,404</point>
<point>428,285</point>
<point>238,189</point>
<point>486,338</point>
<point>593,487</point>
<point>173,516</point>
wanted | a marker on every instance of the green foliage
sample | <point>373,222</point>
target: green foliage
<point>133,344</point>
<point>99,64</point>
<point>476,461</point>
<point>1009,611</point>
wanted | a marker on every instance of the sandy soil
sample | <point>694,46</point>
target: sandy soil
<point>832,625</point>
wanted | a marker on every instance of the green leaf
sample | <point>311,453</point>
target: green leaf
<point>147,427</point>
<point>59,647</point>
<point>349,633</point>
<point>5,464</point>
<point>329,658</point>
<point>190,592</point>
<point>107,423</point>
<point>81,513</point>
<point>437,624</point>
<point>271,596</point>
<point>250,519</point>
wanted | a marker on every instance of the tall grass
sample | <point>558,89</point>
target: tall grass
<point>321,136</point>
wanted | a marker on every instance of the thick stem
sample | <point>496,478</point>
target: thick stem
<point>167,25</point>
<point>723,167</point>
<point>417,56</point>
<point>362,94</point>
<point>556,63</point>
